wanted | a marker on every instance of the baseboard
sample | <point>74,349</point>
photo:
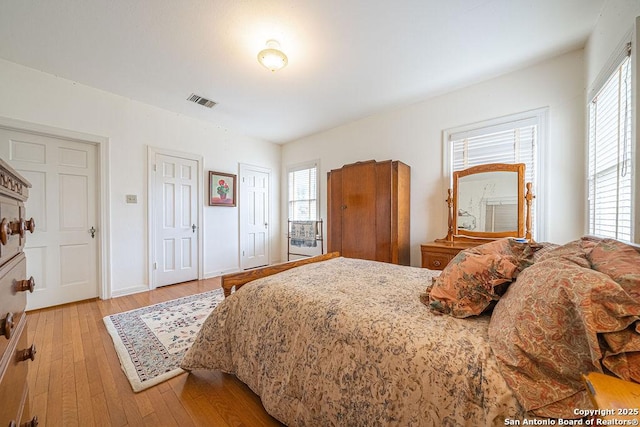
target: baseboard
<point>213,274</point>
<point>129,291</point>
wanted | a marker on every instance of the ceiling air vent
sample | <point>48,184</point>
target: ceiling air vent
<point>200,100</point>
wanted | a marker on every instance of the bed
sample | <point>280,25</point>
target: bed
<point>348,342</point>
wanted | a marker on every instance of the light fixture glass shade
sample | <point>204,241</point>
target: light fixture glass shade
<point>272,58</point>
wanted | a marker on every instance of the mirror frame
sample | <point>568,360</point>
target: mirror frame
<point>518,168</point>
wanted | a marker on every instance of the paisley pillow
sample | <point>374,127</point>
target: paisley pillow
<point>556,322</point>
<point>575,251</point>
<point>478,276</point>
<point>619,261</point>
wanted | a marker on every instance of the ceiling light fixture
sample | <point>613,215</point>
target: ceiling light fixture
<point>272,58</point>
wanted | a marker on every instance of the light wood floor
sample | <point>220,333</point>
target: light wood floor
<point>76,378</point>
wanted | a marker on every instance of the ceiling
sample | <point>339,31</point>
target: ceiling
<point>348,59</point>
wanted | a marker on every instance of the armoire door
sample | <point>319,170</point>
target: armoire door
<point>359,211</point>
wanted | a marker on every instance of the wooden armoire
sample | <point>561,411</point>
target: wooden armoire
<point>368,211</point>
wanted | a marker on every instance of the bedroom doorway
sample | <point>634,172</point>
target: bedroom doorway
<point>175,192</point>
<point>63,251</point>
<point>254,216</point>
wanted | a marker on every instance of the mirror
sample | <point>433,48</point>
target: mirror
<point>489,201</point>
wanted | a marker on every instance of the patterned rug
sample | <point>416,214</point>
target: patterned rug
<point>150,341</point>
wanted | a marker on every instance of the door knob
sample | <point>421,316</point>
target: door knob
<point>193,227</point>
<point>93,230</point>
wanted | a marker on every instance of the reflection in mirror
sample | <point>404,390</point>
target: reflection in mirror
<point>488,202</point>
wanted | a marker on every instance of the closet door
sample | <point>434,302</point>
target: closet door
<point>359,210</point>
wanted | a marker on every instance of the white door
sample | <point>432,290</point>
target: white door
<point>175,207</point>
<point>254,216</point>
<point>62,252</point>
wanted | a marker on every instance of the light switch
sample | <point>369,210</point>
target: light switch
<point>132,198</point>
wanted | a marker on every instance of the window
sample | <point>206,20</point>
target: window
<point>610,156</point>
<point>303,192</point>
<point>511,139</point>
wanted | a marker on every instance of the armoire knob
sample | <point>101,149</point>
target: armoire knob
<point>33,422</point>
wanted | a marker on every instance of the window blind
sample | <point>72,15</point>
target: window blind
<point>303,193</point>
<point>610,159</point>
<point>509,142</point>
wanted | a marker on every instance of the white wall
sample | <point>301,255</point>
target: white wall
<point>130,126</point>
<point>616,20</point>
<point>414,136</point>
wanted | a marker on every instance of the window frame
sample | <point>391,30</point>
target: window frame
<point>540,116</point>
<point>625,49</point>
<point>299,167</point>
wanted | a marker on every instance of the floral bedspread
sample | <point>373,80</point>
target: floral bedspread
<point>347,342</point>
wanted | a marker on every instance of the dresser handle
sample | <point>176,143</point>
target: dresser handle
<point>30,225</point>
<point>31,423</point>
<point>26,285</point>
<point>5,231</point>
<point>9,228</point>
<point>7,326</point>
<point>437,263</point>
<point>17,227</point>
<point>27,353</point>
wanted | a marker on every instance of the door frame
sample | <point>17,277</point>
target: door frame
<point>103,262</point>
<point>151,224</point>
<point>242,203</point>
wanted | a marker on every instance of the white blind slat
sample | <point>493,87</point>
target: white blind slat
<point>610,166</point>
<point>303,193</point>
<point>514,141</point>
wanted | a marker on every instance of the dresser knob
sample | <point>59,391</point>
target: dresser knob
<point>9,228</point>
<point>437,263</point>
<point>5,231</point>
<point>17,227</point>
<point>33,422</point>
<point>30,225</point>
<point>26,285</point>
<point>27,353</point>
<point>6,327</point>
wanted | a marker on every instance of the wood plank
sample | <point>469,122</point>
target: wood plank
<point>76,378</point>
<point>239,279</point>
<point>618,399</point>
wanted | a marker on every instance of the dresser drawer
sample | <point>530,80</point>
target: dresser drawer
<point>12,301</point>
<point>436,255</point>
<point>435,261</point>
<point>11,212</point>
<point>13,377</point>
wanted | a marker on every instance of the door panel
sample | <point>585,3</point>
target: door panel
<point>61,254</point>
<point>74,196</point>
<point>359,211</point>
<point>254,217</point>
<point>334,211</point>
<point>176,215</point>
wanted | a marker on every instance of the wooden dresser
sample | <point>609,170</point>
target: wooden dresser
<point>436,255</point>
<point>368,211</point>
<point>15,351</point>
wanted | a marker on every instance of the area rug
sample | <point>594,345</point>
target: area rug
<point>151,341</point>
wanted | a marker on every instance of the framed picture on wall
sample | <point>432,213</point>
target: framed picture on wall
<point>222,189</point>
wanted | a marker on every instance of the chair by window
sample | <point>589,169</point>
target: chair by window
<point>303,236</point>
